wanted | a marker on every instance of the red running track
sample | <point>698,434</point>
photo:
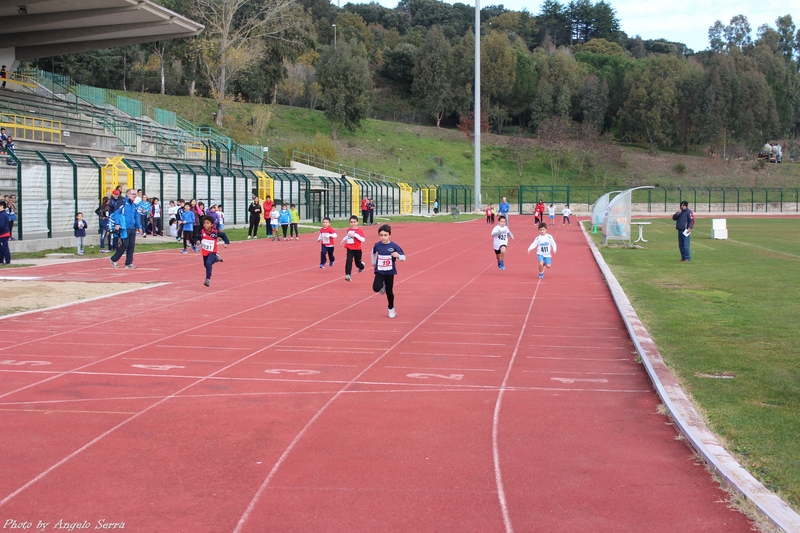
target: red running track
<point>283,399</point>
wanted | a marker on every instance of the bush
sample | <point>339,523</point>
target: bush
<point>679,168</point>
<point>321,147</point>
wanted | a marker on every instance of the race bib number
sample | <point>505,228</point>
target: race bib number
<point>208,244</point>
<point>384,262</point>
<point>545,248</point>
<point>502,237</point>
<point>326,238</point>
<point>350,239</point>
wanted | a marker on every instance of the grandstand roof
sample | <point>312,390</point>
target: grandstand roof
<point>44,28</point>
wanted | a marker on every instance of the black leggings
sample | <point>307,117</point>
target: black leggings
<point>284,229</point>
<point>293,230</point>
<point>388,280</point>
<point>252,231</point>
<point>351,256</point>
<point>188,236</point>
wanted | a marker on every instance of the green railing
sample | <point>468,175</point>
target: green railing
<point>341,168</point>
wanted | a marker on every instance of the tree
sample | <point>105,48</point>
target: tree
<point>235,35</point>
<point>464,73</point>
<point>398,67</point>
<point>497,76</point>
<point>432,76</point>
<point>344,76</point>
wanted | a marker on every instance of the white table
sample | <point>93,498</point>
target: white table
<point>641,225</point>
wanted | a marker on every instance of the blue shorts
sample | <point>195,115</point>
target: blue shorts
<point>545,260</point>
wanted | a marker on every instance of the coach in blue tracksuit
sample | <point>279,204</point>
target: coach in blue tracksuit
<point>684,222</point>
<point>127,218</point>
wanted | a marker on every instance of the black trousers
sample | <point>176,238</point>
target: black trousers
<point>351,256</point>
<point>387,280</point>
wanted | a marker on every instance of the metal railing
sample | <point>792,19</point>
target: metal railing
<point>31,128</point>
<point>341,168</point>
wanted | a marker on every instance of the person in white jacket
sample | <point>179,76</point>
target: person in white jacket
<point>545,246</point>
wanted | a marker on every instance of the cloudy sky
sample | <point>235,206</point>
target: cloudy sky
<point>685,21</point>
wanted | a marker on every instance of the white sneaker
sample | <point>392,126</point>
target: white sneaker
<point>392,314</point>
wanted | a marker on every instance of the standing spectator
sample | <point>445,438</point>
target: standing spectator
<point>3,75</point>
<point>504,209</point>
<point>266,207</point>
<point>293,229</point>
<point>80,226</point>
<point>364,210</point>
<point>127,218</point>
<point>490,214</point>
<point>255,218</point>
<point>371,211</point>
<point>684,222</point>
<point>143,209</point>
<point>11,204</point>
<point>5,234</point>
<point>3,139</point>
<point>10,150</point>
<point>103,213</point>
<point>284,219</point>
<point>436,206</point>
<point>157,217</point>
<point>538,212</point>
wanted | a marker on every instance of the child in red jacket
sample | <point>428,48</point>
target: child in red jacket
<point>352,242</point>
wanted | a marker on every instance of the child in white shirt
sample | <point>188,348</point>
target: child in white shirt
<point>566,213</point>
<point>501,233</point>
<point>545,246</point>
<point>552,212</point>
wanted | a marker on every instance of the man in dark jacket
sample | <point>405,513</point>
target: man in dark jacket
<point>132,224</point>
<point>684,222</point>
<point>5,234</point>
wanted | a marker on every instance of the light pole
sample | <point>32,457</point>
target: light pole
<point>477,114</point>
<point>334,34</point>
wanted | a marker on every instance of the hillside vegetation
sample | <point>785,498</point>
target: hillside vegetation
<point>438,155</point>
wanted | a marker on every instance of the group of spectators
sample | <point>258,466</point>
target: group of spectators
<point>368,211</point>
<point>7,146</point>
<point>122,218</point>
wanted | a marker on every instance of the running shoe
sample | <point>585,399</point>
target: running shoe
<point>322,265</point>
<point>347,278</point>
<point>249,237</point>
<point>130,266</point>
<point>541,275</point>
<point>219,259</point>
<point>392,313</point>
<point>502,266</point>
<point>113,263</point>
<point>194,248</point>
<point>185,251</point>
<point>331,263</point>
<point>383,289</point>
<point>207,282</point>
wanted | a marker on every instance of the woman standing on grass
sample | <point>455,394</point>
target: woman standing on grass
<point>255,218</point>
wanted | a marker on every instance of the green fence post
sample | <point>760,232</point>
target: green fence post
<point>19,194</point>
<point>74,182</point>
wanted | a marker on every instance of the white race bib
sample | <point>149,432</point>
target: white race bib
<point>208,244</point>
<point>384,262</point>
<point>326,238</point>
<point>544,249</point>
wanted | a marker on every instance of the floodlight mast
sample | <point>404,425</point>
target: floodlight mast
<point>477,115</point>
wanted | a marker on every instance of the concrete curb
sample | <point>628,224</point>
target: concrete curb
<point>687,419</point>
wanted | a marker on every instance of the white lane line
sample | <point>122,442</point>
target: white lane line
<point>498,475</point>
<point>580,358</point>
<point>417,388</point>
<point>461,333</point>
<point>200,347</point>
<point>582,373</point>
<point>320,365</point>
<point>597,348</point>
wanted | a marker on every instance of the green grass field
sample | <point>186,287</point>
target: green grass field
<point>727,325</point>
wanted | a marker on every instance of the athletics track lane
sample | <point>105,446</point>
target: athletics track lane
<point>283,399</point>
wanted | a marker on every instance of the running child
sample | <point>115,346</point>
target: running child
<point>551,211</point>
<point>384,256</point>
<point>326,237</point>
<point>284,218</point>
<point>545,246</point>
<point>352,242</point>
<point>274,223</point>
<point>501,233</point>
<point>208,243</point>
<point>566,213</point>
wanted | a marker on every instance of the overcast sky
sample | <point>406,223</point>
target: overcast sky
<point>685,21</point>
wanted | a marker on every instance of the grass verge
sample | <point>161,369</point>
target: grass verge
<point>726,324</point>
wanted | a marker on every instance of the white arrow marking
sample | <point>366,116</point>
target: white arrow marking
<point>157,367</point>
<point>288,371</point>
<point>454,377</point>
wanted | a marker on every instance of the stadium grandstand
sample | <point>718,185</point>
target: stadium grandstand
<point>74,143</point>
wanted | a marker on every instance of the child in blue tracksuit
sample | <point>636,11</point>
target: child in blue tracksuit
<point>285,218</point>
<point>187,226</point>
